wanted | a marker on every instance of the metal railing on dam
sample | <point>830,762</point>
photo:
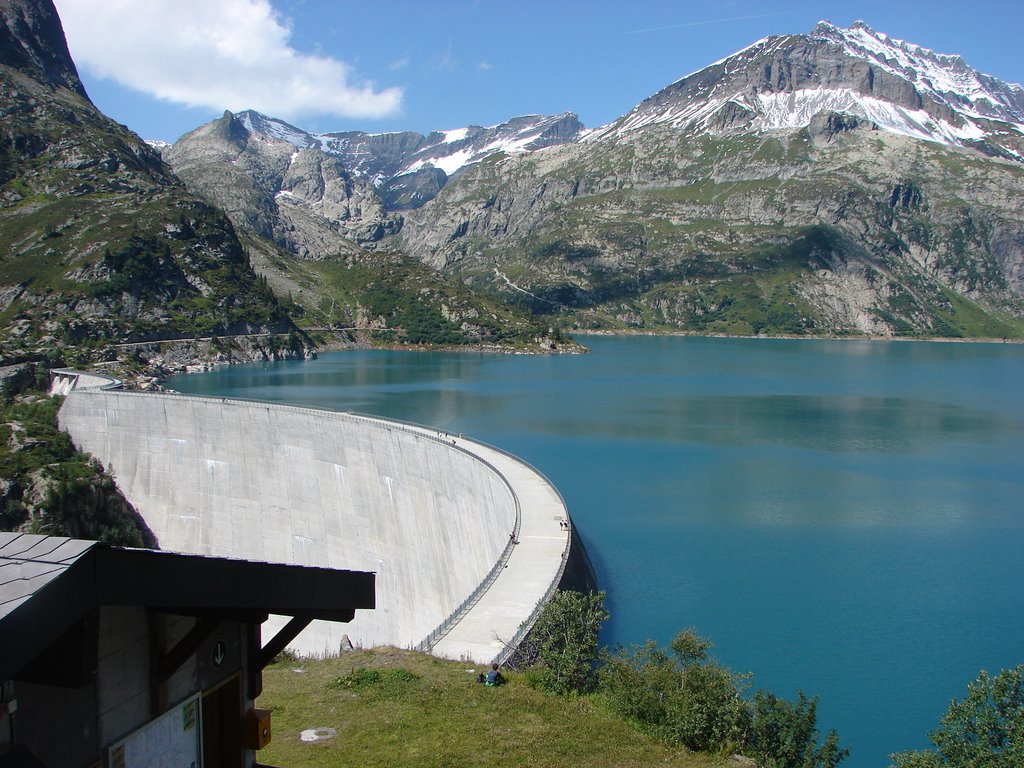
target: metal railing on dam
<point>509,646</point>
<point>366,491</point>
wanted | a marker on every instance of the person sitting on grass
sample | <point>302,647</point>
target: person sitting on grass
<point>493,677</point>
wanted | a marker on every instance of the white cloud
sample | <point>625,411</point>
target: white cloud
<point>225,54</point>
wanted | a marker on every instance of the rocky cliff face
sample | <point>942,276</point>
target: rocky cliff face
<point>32,41</point>
<point>833,182</point>
<point>300,198</point>
<point>101,242</point>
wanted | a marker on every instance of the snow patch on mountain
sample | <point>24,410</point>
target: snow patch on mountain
<point>466,146</point>
<point>447,163</point>
<point>450,137</point>
<point>753,45</point>
<point>795,110</point>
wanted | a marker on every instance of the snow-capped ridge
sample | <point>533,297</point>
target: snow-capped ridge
<point>946,76</point>
<point>905,89</point>
<point>383,158</point>
<point>448,149</point>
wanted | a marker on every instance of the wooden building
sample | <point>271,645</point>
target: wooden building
<point>118,658</point>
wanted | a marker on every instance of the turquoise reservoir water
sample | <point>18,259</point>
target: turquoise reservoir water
<point>841,517</point>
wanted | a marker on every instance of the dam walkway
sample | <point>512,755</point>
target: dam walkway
<point>493,624</point>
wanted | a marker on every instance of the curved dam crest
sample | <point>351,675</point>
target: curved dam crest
<point>431,515</point>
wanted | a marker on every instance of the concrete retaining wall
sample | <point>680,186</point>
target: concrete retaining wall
<point>283,484</point>
<point>63,381</point>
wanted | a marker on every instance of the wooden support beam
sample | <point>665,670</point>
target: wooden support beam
<point>253,668</point>
<point>278,642</point>
<point>171,661</point>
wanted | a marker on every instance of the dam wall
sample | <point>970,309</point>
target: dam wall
<point>63,381</point>
<point>430,517</point>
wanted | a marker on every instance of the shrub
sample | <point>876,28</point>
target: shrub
<point>786,736</point>
<point>984,730</point>
<point>680,696</point>
<point>562,647</point>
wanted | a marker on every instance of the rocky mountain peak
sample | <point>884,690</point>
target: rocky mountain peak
<point>32,40</point>
<point>406,168</point>
<point>226,136</point>
<point>275,128</point>
<point>942,76</point>
<point>782,82</point>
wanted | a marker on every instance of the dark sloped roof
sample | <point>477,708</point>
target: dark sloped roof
<point>28,563</point>
<point>49,583</point>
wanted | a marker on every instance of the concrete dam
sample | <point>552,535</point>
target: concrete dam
<point>467,541</point>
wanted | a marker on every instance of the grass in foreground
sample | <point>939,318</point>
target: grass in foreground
<point>423,711</point>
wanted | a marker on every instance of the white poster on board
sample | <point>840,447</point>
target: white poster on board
<point>173,740</point>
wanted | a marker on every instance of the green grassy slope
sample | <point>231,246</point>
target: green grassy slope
<point>391,708</point>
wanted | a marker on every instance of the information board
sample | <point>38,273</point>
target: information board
<point>173,740</point>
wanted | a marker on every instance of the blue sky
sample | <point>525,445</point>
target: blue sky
<point>164,67</point>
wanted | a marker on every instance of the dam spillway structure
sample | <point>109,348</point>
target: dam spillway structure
<point>467,541</point>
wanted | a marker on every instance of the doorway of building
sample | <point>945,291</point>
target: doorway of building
<point>222,724</point>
